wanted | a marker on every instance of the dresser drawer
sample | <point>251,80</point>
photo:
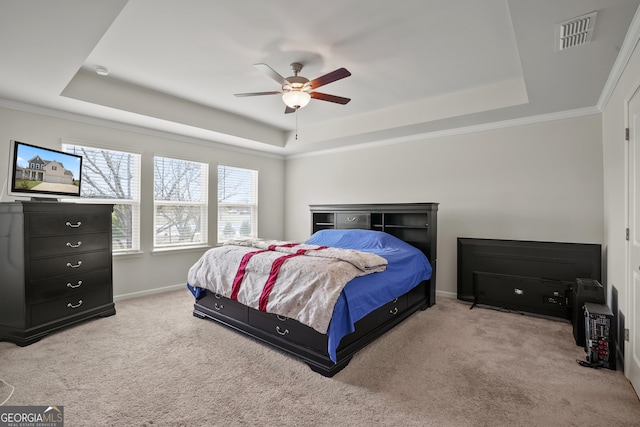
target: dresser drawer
<point>42,290</point>
<point>68,223</point>
<point>353,220</point>
<point>62,307</point>
<point>68,244</point>
<point>290,329</point>
<point>42,268</point>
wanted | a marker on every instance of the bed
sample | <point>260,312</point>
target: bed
<point>359,311</point>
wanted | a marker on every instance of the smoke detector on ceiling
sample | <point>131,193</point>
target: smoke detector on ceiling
<point>102,71</point>
<point>575,32</point>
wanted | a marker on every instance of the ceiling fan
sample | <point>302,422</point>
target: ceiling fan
<point>297,91</point>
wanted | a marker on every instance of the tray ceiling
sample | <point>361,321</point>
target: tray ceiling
<point>417,66</point>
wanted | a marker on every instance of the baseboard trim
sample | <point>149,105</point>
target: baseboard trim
<point>446,294</point>
<point>149,292</point>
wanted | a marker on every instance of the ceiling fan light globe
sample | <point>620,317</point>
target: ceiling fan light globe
<point>296,99</point>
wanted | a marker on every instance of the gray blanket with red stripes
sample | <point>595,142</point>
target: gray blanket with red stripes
<point>298,281</point>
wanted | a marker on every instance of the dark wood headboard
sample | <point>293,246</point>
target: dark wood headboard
<point>415,223</point>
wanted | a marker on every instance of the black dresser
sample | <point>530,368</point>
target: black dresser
<point>55,267</point>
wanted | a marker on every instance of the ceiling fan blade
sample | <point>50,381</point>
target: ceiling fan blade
<point>338,74</point>
<point>271,73</point>
<point>288,110</point>
<point>330,98</point>
<point>257,93</point>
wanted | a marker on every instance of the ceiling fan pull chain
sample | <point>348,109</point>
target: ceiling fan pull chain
<point>297,123</point>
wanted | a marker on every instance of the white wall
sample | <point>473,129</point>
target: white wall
<point>531,182</point>
<point>148,272</point>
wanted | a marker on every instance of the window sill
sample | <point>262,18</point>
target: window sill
<point>127,254</point>
<point>181,249</point>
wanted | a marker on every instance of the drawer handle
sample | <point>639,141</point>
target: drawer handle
<point>285,332</point>
<point>77,285</point>
<point>74,266</point>
<point>394,311</point>
<point>218,306</point>
<point>75,306</point>
<point>71,245</point>
<point>76,225</point>
<point>354,219</point>
<point>281,317</point>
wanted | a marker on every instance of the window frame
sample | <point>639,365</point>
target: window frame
<point>134,203</point>
<point>203,204</point>
<point>252,207</point>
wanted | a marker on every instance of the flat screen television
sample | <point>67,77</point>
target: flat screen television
<point>529,276</point>
<point>43,173</point>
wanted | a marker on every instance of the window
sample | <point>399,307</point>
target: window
<point>113,177</point>
<point>237,203</point>
<point>180,202</point>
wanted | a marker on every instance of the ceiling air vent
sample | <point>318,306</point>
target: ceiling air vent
<point>575,32</point>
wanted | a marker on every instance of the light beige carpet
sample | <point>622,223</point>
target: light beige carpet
<point>154,364</point>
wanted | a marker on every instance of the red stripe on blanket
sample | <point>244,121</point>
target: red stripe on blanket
<point>273,275</point>
<point>288,245</point>
<point>240,273</point>
<point>237,281</point>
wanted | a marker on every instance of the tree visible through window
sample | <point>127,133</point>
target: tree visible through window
<point>180,202</point>
<point>237,203</point>
<point>113,177</point>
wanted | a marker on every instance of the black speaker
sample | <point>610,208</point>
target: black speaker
<point>600,345</point>
<point>585,290</point>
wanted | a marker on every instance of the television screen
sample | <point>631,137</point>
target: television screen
<point>524,275</point>
<point>43,172</point>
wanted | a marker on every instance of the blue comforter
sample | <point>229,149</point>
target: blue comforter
<point>407,267</point>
